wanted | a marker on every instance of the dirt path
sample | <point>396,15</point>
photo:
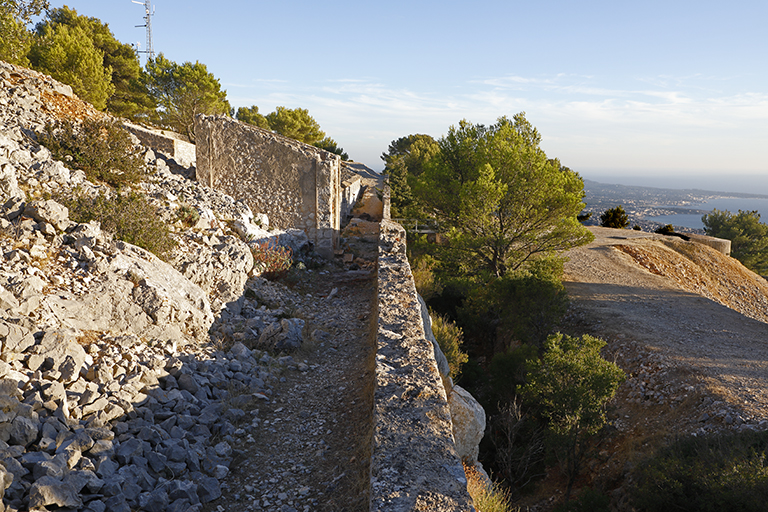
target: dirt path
<point>661,303</point>
<point>308,448</point>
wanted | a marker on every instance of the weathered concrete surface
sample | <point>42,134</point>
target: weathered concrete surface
<point>295,184</point>
<point>168,143</point>
<point>721,244</point>
<point>414,464</point>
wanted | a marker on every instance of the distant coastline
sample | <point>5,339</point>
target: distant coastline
<point>651,207</point>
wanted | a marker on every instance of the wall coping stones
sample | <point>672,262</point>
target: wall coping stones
<point>414,463</point>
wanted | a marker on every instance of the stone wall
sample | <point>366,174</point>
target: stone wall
<point>722,245</point>
<point>295,184</point>
<point>414,463</point>
<point>351,188</point>
<point>168,143</point>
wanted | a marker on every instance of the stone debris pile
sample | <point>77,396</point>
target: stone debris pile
<point>115,424</point>
<point>122,384</point>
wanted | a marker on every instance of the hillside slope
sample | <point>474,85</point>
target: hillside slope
<point>686,323</point>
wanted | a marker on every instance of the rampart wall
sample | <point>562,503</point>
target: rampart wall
<point>295,184</point>
<point>414,463</point>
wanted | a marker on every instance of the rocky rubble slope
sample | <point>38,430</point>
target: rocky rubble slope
<point>113,374</point>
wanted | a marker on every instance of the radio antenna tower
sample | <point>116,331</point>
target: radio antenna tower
<point>149,11</point>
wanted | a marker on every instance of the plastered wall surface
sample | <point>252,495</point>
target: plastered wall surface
<point>295,184</point>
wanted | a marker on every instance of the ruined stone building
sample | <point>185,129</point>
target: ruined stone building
<point>295,184</point>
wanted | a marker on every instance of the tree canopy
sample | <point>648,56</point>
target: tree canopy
<point>331,146</point>
<point>182,91</point>
<point>503,201</point>
<point>405,161</point>
<point>572,384</point>
<point>295,123</point>
<point>252,116</point>
<point>68,54</point>
<point>15,39</point>
<point>129,99</point>
<point>748,236</point>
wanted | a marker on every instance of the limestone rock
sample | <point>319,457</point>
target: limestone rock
<point>468,418</point>
<point>50,491</point>
<point>283,336</point>
<point>49,211</point>
<point>442,361</point>
<point>9,186</point>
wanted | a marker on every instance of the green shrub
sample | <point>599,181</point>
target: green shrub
<point>571,385</point>
<point>424,277</point>
<point>449,337</point>
<point>187,215</point>
<point>128,216</point>
<point>665,230</point>
<point>271,260</point>
<point>614,218</point>
<point>507,372</point>
<point>712,473</point>
<point>102,149</point>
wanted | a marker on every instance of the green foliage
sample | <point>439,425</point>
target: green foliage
<point>571,386</point>
<point>187,215</point>
<point>271,260</point>
<point>502,199</point>
<point>706,474</point>
<point>422,269</point>
<point>129,217</point>
<point>748,236</point>
<point>508,371</point>
<point>102,149</point>
<point>614,218</point>
<point>665,230</point>
<point>182,91</point>
<point>295,123</point>
<point>251,115</point>
<point>404,161</point>
<point>130,99</point>
<point>68,54</point>
<point>331,146</point>
<point>15,39</point>
<point>519,307</point>
<point>449,337</point>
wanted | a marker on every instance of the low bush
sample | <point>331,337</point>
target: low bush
<point>187,215</point>
<point>614,218</point>
<point>707,474</point>
<point>128,217</point>
<point>272,261</point>
<point>487,497</point>
<point>102,149</point>
<point>449,337</point>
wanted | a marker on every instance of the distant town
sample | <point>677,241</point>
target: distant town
<point>641,203</point>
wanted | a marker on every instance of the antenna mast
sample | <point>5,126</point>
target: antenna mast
<point>148,13</point>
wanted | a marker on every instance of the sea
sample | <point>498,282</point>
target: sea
<point>723,184</point>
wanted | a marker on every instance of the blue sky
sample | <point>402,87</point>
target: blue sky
<point>616,88</point>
